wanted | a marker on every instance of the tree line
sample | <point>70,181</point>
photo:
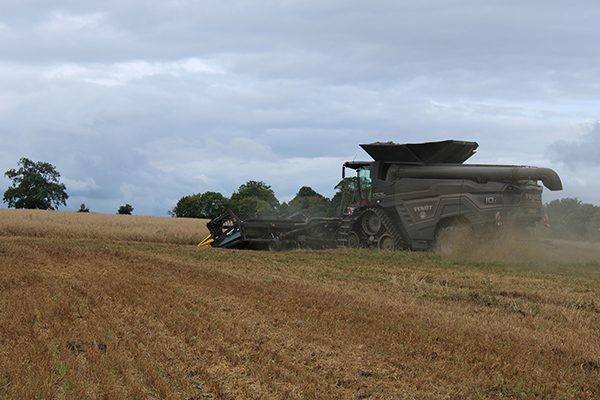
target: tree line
<point>256,198</point>
<point>569,218</point>
<point>36,185</point>
<point>572,219</point>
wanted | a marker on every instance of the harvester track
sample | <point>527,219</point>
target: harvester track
<point>395,230</point>
<point>343,231</point>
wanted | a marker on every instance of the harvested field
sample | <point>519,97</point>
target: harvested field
<point>122,315</point>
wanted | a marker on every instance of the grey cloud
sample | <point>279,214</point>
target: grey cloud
<point>579,153</point>
<point>154,100</point>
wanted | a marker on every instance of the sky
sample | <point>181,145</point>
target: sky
<point>143,102</point>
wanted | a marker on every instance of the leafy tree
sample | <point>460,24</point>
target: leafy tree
<point>594,227</point>
<point>213,204</point>
<point>188,207</point>
<point>307,191</point>
<point>346,194</point>
<point>83,208</point>
<point>257,189</point>
<point>35,185</point>
<point>309,202</point>
<point>125,209</point>
<point>251,207</point>
<point>283,209</point>
<point>254,199</point>
<point>207,205</point>
<point>572,219</point>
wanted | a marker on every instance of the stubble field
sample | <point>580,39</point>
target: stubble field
<point>113,307</point>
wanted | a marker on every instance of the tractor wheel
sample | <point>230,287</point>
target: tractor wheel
<point>386,243</point>
<point>371,223</point>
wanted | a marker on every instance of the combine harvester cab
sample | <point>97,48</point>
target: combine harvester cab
<point>411,196</point>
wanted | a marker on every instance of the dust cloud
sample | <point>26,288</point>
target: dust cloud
<point>517,246</point>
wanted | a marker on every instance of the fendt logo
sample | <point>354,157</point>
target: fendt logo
<point>423,211</point>
<point>423,208</point>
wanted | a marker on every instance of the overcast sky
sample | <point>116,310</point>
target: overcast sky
<point>143,102</point>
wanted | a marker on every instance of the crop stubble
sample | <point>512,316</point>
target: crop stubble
<point>108,316</point>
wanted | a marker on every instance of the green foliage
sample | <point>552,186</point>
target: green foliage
<point>257,189</point>
<point>307,191</point>
<point>125,209</point>
<point>311,203</point>
<point>83,208</point>
<point>283,209</point>
<point>188,207</point>
<point>35,185</point>
<point>572,219</point>
<point>251,207</point>
<point>346,194</point>
<point>206,205</point>
<point>594,226</point>
<point>254,199</point>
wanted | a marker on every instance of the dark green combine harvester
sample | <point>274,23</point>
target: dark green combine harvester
<point>412,196</point>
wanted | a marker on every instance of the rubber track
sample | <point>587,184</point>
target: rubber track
<point>396,231</point>
<point>344,230</point>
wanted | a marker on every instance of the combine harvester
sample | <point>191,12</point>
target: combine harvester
<point>412,196</point>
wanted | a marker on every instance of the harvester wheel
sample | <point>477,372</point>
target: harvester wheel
<point>389,227</point>
<point>371,223</point>
<point>386,243</point>
<point>453,239</point>
<point>353,241</point>
<point>276,245</point>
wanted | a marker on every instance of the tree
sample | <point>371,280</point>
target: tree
<point>35,185</point>
<point>594,227</point>
<point>188,207</point>
<point>126,209</point>
<point>207,205</point>
<point>345,195</point>
<point>257,189</point>
<point>572,219</point>
<point>307,191</point>
<point>250,207</point>
<point>83,208</point>
<point>253,199</point>
<point>309,202</point>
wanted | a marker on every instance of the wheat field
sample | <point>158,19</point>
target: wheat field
<point>38,223</point>
<point>119,307</point>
